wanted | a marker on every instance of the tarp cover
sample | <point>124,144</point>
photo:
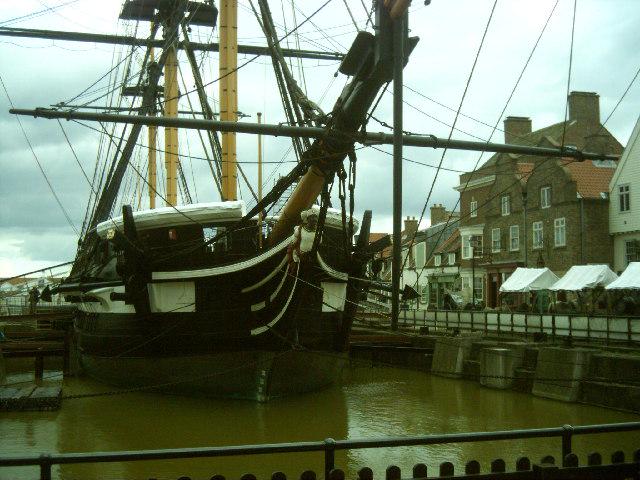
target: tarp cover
<point>179,215</point>
<point>580,277</point>
<point>629,279</point>
<point>529,279</point>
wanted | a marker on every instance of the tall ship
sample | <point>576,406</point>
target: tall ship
<point>217,298</point>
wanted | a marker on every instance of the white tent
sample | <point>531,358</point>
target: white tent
<point>529,279</point>
<point>629,279</point>
<point>580,277</point>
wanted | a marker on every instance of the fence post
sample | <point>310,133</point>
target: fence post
<point>553,326</point>
<point>329,456</point>
<point>486,323</point>
<point>571,326</point>
<point>566,440</point>
<point>45,467</point>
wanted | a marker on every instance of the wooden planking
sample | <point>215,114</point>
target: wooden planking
<point>30,398</point>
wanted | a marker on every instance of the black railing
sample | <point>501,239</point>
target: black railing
<point>328,446</point>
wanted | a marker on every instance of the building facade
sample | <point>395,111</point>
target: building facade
<point>624,205</point>
<point>522,210</point>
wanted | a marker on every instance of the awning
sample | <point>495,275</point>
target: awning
<point>580,277</point>
<point>629,279</point>
<point>529,279</point>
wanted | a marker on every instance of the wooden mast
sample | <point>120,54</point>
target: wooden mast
<point>171,133</point>
<point>152,139</point>
<point>228,94</point>
<point>260,181</point>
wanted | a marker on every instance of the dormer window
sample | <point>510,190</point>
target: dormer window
<point>436,260</point>
<point>452,258</point>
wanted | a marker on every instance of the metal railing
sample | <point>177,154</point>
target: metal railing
<point>610,328</point>
<point>328,447</point>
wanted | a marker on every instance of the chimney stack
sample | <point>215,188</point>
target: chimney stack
<point>410,226</point>
<point>515,127</point>
<point>438,214</point>
<point>584,107</point>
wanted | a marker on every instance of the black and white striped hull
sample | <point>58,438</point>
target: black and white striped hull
<point>223,330</point>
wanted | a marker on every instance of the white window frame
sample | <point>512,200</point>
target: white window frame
<point>452,258</point>
<point>480,288</point>
<point>545,196</point>
<point>560,232</point>
<point>496,244</point>
<point>631,251</point>
<point>473,208</point>
<point>516,237</point>
<point>420,250</point>
<point>624,198</point>
<point>505,205</point>
<point>466,247</point>
<point>538,234</point>
<point>436,260</point>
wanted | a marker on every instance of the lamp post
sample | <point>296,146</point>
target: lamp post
<point>524,211</point>
<point>473,243</point>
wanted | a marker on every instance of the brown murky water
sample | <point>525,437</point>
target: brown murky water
<point>370,402</point>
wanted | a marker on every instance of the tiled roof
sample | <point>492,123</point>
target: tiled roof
<point>374,236</point>
<point>450,243</point>
<point>592,177</point>
<point>574,134</point>
<point>524,170</point>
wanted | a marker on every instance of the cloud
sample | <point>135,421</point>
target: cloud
<point>38,73</point>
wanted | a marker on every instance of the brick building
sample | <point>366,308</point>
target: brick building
<point>522,210</point>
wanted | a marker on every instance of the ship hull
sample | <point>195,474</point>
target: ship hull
<point>261,329</point>
<point>251,374</point>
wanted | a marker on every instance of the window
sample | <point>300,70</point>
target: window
<point>478,285</point>
<point>505,205</point>
<point>471,246</point>
<point>514,238</point>
<point>424,297</point>
<point>436,260</point>
<point>559,232</point>
<point>466,283</point>
<point>476,243</point>
<point>545,197</point>
<point>632,251</point>
<point>466,246</point>
<point>452,258</point>
<point>473,208</point>
<point>419,252</point>
<point>537,235</point>
<point>495,240</point>
<point>623,194</point>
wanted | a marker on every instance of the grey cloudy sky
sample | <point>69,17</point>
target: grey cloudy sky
<point>33,229</point>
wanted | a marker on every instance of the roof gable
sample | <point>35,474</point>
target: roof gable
<point>632,144</point>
